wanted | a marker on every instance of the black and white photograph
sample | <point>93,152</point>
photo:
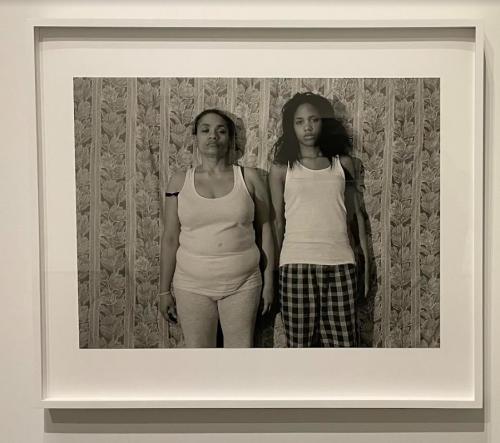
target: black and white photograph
<point>257,212</point>
<point>250,221</point>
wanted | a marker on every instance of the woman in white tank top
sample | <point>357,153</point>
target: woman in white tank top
<point>317,267</point>
<point>211,254</point>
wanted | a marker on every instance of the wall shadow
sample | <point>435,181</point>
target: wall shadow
<point>194,421</point>
<point>365,305</point>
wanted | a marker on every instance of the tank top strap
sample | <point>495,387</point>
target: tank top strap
<point>348,177</point>
<point>335,162</point>
<point>289,171</point>
<point>241,184</point>
<point>188,186</point>
<point>190,174</point>
<point>239,180</point>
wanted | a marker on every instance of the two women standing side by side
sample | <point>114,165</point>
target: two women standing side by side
<point>210,252</point>
<point>216,241</point>
<point>309,183</point>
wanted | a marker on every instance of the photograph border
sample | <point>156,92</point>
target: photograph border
<point>476,401</point>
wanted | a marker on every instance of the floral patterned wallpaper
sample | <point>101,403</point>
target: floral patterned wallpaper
<point>132,133</point>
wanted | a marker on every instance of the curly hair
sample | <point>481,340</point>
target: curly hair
<point>332,141</point>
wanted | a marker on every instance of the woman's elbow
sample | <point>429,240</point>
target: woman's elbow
<point>170,240</point>
<point>279,226</point>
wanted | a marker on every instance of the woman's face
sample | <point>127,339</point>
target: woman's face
<point>212,135</point>
<point>307,125</point>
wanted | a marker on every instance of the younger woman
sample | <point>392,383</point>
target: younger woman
<point>317,269</point>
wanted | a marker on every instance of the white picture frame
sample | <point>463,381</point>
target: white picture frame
<point>69,377</point>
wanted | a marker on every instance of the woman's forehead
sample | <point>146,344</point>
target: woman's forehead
<point>212,119</point>
<point>306,109</point>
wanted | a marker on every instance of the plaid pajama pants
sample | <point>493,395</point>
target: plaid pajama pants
<point>318,304</point>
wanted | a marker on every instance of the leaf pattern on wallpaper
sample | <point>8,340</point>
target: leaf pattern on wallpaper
<point>316,85</point>
<point>429,218</point>
<point>181,114</point>
<point>157,114</point>
<point>280,91</point>
<point>345,98</point>
<point>373,117</point>
<point>83,140</point>
<point>270,332</point>
<point>247,108</point>
<point>215,93</point>
<point>147,214</point>
<point>401,209</point>
<point>112,207</point>
<point>342,93</point>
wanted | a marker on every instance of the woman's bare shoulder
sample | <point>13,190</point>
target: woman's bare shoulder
<point>253,179</point>
<point>347,163</point>
<point>176,181</point>
<point>253,174</point>
<point>278,171</point>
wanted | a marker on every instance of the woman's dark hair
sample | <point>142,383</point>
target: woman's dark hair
<point>231,127</point>
<point>332,141</point>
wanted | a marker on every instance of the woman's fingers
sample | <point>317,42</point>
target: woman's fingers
<point>171,314</point>
<point>367,285</point>
<point>164,314</point>
<point>266,307</point>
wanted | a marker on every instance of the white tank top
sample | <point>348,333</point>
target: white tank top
<point>217,252</point>
<point>315,216</point>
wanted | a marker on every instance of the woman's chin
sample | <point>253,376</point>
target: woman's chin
<point>309,142</point>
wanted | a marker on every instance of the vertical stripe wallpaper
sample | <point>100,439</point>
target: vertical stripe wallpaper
<point>132,133</point>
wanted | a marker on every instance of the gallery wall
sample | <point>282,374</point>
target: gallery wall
<point>22,421</point>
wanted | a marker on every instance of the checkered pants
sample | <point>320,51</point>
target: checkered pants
<point>318,304</point>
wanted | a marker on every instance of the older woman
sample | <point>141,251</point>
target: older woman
<point>217,233</point>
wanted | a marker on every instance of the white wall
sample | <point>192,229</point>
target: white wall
<point>20,421</point>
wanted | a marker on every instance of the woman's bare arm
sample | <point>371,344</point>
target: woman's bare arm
<point>169,244</point>
<point>258,189</point>
<point>277,176</point>
<point>348,165</point>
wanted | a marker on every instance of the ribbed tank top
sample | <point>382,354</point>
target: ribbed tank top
<point>315,216</point>
<point>217,253</point>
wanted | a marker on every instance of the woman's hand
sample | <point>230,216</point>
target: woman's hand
<point>267,298</point>
<point>167,307</point>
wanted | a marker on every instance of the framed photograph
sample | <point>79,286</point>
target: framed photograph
<point>122,114</point>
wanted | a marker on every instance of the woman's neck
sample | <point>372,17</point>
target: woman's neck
<point>213,164</point>
<point>309,151</point>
